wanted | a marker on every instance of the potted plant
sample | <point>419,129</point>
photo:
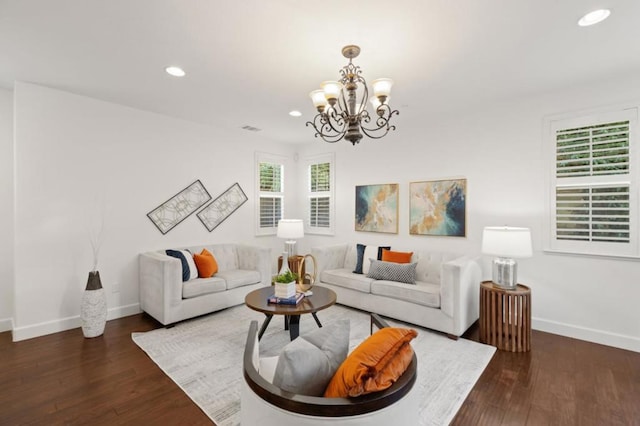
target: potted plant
<point>285,283</point>
<point>285,278</point>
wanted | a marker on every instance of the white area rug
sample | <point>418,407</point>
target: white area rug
<point>204,357</point>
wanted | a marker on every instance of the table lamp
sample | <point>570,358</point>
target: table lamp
<point>290,229</point>
<point>506,243</point>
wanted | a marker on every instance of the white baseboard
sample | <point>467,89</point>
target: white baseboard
<point>589,334</point>
<point>55,326</point>
<point>6,324</point>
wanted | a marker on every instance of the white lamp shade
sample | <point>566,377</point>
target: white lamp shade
<point>318,99</point>
<point>382,86</point>
<point>290,228</point>
<point>506,241</point>
<point>331,89</point>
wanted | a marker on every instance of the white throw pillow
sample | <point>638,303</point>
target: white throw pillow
<point>193,270</point>
<point>370,252</point>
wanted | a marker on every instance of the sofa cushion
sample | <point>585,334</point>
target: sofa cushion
<point>365,252</point>
<point>429,268</point>
<point>200,286</point>
<point>239,277</point>
<point>391,271</point>
<point>374,365</point>
<point>307,364</point>
<point>346,278</point>
<point>226,256</point>
<point>422,293</point>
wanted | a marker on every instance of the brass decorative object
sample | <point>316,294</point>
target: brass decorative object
<point>306,281</point>
<point>341,115</point>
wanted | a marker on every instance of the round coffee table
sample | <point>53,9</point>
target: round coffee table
<point>321,299</point>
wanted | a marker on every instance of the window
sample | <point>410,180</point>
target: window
<point>320,196</point>
<point>270,190</point>
<point>594,184</point>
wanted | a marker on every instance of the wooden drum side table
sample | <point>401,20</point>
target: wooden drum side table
<point>505,317</point>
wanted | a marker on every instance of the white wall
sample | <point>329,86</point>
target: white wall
<point>79,159</point>
<point>6,209</point>
<point>499,150</point>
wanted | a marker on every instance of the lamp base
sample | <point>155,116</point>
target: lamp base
<point>290,248</point>
<point>505,273</point>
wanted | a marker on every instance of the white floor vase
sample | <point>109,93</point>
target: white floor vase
<point>93,309</point>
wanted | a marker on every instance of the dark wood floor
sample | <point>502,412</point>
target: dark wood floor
<point>66,379</point>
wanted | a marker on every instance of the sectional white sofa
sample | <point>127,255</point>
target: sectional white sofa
<point>445,296</point>
<point>164,296</point>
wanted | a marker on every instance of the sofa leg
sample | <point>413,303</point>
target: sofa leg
<point>452,337</point>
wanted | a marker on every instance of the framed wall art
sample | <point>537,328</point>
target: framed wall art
<point>177,208</point>
<point>377,208</point>
<point>222,207</point>
<point>438,207</point>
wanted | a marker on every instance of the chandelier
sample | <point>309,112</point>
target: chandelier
<point>340,115</point>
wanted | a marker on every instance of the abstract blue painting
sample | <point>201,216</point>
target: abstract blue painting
<point>377,208</point>
<point>438,208</point>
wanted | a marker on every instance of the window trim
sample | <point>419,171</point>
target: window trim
<point>309,161</point>
<point>263,157</point>
<point>582,119</point>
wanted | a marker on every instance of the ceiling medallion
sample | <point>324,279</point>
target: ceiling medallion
<point>340,115</point>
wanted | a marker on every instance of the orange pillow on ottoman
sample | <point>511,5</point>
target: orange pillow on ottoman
<point>374,365</point>
<point>206,264</point>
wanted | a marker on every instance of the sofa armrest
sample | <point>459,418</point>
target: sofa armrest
<point>459,291</point>
<point>330,257</point>
<point>160,284</point>
<point>255,258</point>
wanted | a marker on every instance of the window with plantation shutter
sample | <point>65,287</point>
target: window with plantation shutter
<point>270,191</point>
<point>320,177</point>
<point>594,184</point>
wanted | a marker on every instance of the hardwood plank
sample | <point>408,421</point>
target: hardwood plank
<point>66,379</point>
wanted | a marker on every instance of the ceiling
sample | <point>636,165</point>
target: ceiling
<point>249,62</point>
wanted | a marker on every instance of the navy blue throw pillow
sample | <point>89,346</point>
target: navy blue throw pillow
<point>360,256</point>
<point>360,253</point>
<point>185,266</point>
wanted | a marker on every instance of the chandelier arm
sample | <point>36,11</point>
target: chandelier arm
<point>329,126</point>
<point>385,114</point>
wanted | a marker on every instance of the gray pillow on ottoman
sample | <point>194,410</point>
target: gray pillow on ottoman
<point>306,365</point>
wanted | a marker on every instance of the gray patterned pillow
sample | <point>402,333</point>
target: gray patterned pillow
<point>391,271</point>
<point>307,364</point>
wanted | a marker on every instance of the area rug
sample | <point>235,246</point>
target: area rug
<point>204,357</point>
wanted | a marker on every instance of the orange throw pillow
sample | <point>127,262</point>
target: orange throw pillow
<point>374,365</point>
<point>206,264</point>
<point>396,256</point>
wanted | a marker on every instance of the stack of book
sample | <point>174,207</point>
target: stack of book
<point>293,300</point>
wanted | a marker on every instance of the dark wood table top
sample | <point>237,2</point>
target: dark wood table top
<point>321,299</point>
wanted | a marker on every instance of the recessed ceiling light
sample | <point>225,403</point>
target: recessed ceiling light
<point>295,113</point>
<point>594,17</point>
<point>175,71</point>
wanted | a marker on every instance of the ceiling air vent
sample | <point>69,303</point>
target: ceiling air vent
<point>251,128</point>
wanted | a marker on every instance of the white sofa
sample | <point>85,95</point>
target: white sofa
<point>164,296</point>
<point>445,297</point>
